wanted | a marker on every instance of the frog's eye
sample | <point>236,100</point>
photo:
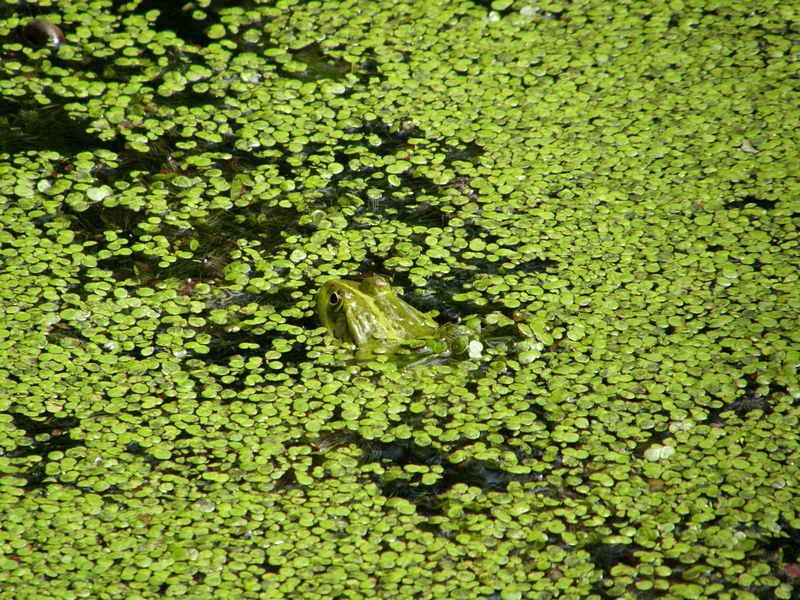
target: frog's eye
<point>335,300</point>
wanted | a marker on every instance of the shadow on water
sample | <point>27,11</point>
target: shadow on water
<point>45,128</point>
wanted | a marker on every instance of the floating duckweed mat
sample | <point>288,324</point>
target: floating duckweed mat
<point>177,182</point>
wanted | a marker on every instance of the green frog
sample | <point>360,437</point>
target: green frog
<point>370,316</point>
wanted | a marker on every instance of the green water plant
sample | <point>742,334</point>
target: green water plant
<point>619,180</point>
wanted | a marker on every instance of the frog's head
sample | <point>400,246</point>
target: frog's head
<point>369,314</point>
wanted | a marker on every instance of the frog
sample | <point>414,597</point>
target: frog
<point>370,316</point>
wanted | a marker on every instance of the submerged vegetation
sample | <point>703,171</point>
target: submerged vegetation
<point>619,179</point>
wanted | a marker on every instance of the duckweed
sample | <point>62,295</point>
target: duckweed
<point>620,180</point>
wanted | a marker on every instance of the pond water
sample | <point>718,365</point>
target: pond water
<point>620,181</point>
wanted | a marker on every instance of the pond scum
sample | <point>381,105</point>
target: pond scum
<point>177,180</point>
